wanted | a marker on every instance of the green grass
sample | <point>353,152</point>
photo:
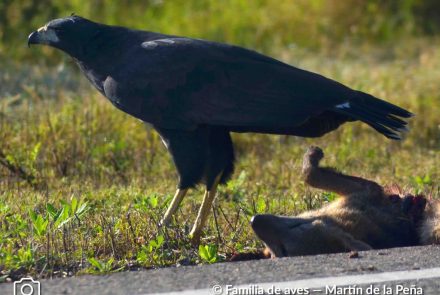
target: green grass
<point>83,186</point>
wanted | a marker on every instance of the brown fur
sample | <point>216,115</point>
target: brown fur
<point>430,225</point>
<point>365,217</point>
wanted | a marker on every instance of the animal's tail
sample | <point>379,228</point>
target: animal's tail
<point>383,116</point>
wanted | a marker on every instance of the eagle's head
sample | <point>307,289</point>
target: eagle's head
<point>69,34</point>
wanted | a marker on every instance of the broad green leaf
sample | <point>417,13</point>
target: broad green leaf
<point>95,263</point>
<point>73,205</point>
<point>51,210</point>
<point>203,253</point>
<point>83,208</point>
<point>160,239</point>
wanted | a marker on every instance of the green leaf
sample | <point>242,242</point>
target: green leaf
<point>153,201</point>
<point>10,159</point>
<point>40,225</point>
<point>66,206</point>
<point>260,205</point>
<point>51,210</point>
<point>212,251</point>
<point>427,180</point>
<point>83,208</point>
<point>203,253</point>
<point>63,217</point>
<point>208,253</point>
<point>142,256</point>
<point>34,152</point>
<point>160,239</point>
<point>153,244</point>
<point>109,264</point>
<point>73,205</point>
<point>33,215</point>
<point>96,263</point>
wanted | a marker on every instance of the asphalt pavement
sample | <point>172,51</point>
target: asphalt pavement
<point>402,271</point>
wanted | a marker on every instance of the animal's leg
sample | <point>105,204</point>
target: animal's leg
<point>219,167</point>
<point>172,208</point>
<point>205,154</point>
<point>203,214</point>
<point>189,151</point>
<point>331,180</point>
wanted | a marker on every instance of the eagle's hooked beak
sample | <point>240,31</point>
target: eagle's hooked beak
<point>33,38</point>
<point>43,35</point>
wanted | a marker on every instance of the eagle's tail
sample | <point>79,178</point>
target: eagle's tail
<point>383,116</point>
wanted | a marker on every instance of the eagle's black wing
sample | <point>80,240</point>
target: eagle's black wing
<point>180,83</point>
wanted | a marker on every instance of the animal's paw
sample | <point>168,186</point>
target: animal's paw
<point>313,155</point>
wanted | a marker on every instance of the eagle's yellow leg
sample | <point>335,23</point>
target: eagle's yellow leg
<point>172,208</point>
<point>203,214</point>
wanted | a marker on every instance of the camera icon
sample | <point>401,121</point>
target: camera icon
<point>27,286</point>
